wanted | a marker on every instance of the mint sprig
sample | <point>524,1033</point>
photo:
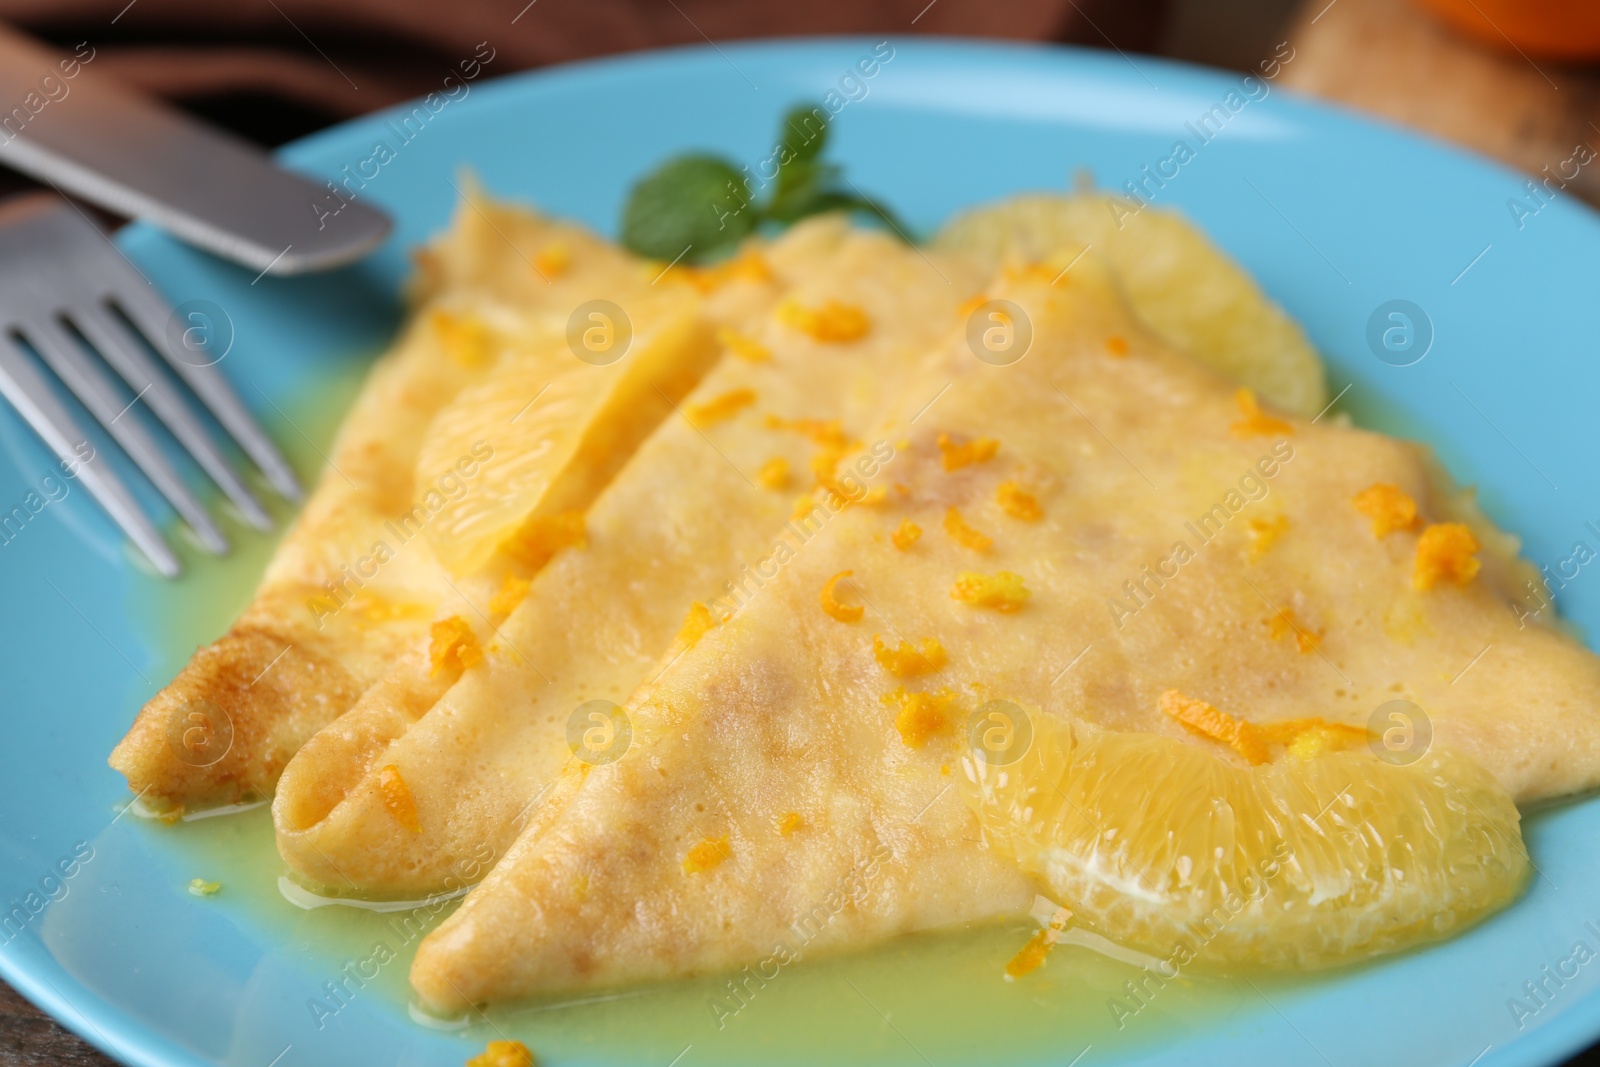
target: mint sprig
<point>695,207</point>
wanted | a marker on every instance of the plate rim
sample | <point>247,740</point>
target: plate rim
<point>103,1024</point>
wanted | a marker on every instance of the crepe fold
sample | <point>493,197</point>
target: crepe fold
<point>790,786</point>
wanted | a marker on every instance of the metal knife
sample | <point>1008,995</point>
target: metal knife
<point>63,123</point>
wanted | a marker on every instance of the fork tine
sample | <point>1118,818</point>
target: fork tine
<point>93,387</point>
<point>112,339</point>
<point>30,394</point>
<point>147,312</point>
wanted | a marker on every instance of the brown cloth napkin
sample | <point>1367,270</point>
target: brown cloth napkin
<point>330,60</point>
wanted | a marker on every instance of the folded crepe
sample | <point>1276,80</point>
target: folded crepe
<point>476,762</point>
<point>1100,522</point>
<point>767,442</point>
<point>355,584</point>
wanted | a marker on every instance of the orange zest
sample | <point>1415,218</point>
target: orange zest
<point>1264,533</point>
<point>397,800</point>
<point>1203,719</point>
<point>824,433</point>
<point>842,612</point>
<point>511,593</point>
<point>553,260</point>
<point>965,535</point>
<point>970,304</point>
<point>453,646</point>
<point>696,623</point>
<point>1255,423</point>
<point>1002,590</point>
<point>955,455</point>
<point>708,855</point>
<point>1117,346</point>
<point>503,1054</point>
<point>720,408</point>
<point>464,338</point>
<point>905,535</point>
<point>746,348</point>
<point>542,536</point>
<point>1305,738</point>
<point>790,823</point>
<point>774,473</point>
<point>1018,502</point>
<point>919,716</point>
<point>1283,622</point>
<point>1388,506</point>
<point>1446,552</point>
<point>908,661</point>
<point>748,266</point>
<point>1032,955</point>
<point>831,322</point>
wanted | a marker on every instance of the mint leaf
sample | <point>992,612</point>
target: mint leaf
<point>695,207</point>
<point>800,183</point>
<point>692,207</point>
<point>804,132</point>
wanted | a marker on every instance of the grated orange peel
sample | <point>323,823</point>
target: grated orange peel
<point>905,535</point>
<point>963,534</point>
<point>831,605</point>
<point>1002,591</point>
<point>1018,502</point>
<point>954,455</point>
<point>452,646</point>
<point>908,660</point>
<point>831,322</point>
<point>719,408</point>
<point>1388,506</point>
<point>1446,552</point>
<point>1254,422</point>
<point>397,799</point>
<point>707,855</point>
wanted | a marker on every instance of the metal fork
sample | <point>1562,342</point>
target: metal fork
<point>68,294</point>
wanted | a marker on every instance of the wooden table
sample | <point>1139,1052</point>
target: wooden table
<point>1379,56</point>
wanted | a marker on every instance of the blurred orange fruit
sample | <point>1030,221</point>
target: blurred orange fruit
<point>1556,29</point>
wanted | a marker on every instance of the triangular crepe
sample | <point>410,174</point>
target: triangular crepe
<point>354,584</point>
<point>780,793</point>
<point>712,492</point>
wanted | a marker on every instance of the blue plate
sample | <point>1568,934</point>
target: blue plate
<point>1338,216</point>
